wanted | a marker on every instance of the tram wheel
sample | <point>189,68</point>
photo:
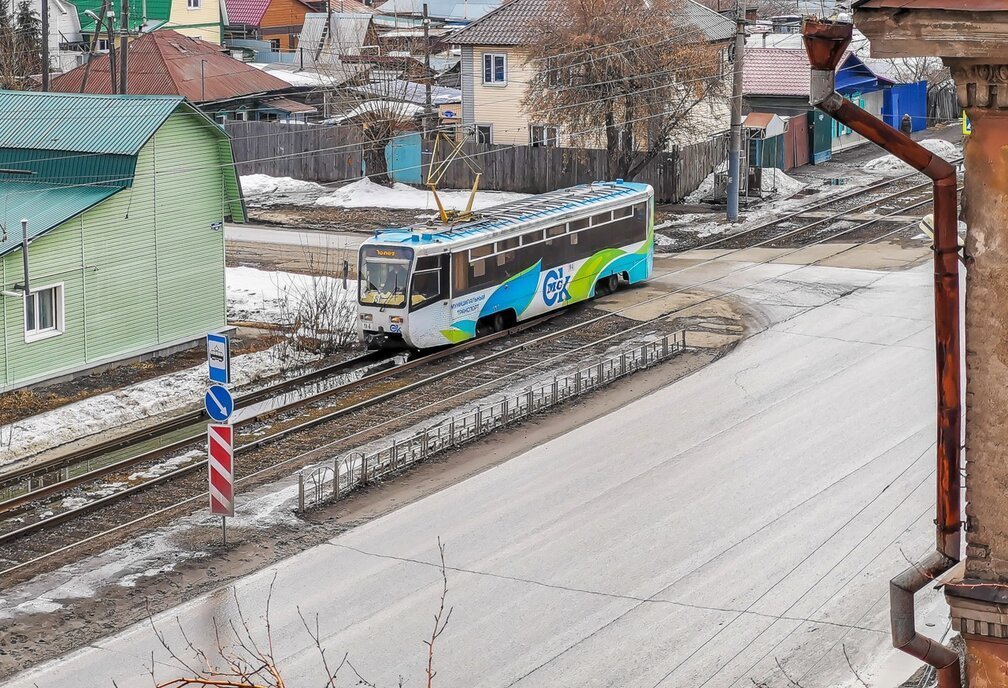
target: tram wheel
<point>498,322</point>
<point>612,283</point>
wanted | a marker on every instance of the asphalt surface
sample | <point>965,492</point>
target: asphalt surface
<point>746,518</point>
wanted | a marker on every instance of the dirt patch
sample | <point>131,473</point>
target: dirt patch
<point>364,220</point>
<point>31,639</point>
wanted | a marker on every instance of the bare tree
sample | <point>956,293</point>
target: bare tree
<point>243,661</point>
<point>602,64</point>
<point>20,45</point>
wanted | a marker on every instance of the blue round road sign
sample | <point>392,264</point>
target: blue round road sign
<point>219,403</point>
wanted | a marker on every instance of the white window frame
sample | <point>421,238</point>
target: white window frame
<point>493,81</point>
<point>489,127</point>
<point>545,141</point>
<point>101,45</point>
<point>58,315</point>
<point>194,4</point>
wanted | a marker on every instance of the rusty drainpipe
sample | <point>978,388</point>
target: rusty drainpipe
<point>826,43</point>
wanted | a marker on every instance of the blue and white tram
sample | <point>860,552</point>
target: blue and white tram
<point>426,286</point>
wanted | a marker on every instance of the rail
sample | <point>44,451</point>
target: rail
<point>329,482</point>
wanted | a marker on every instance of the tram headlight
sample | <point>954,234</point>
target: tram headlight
<point>396,319</point>
<point>366,317</point>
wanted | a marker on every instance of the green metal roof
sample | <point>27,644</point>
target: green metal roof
<point>81,122</point>
<point>60,167</point>
<point>156,10</point>
<point>45,206</point>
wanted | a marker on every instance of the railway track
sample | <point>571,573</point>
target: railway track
<point>840,207</point>
<point>359,396</point>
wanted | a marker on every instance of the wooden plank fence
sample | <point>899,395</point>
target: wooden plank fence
<point>333,153</point>
<point>312,153</point>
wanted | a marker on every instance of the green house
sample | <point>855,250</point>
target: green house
<point>125,199</point>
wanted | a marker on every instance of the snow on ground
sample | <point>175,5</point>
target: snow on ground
<point>364,193</point>
<point>255,295</point>
<point>263,190</point>
<point>890,164</point>
<point>274,297</point>
<point>129,405</point>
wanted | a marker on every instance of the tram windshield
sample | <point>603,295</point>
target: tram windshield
<point>384,275</point>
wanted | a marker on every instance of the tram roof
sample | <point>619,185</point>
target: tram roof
<point>515,213</point>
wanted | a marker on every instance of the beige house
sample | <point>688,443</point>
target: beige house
<point>496,70</point>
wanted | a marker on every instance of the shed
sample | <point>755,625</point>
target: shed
<point>124,224</point>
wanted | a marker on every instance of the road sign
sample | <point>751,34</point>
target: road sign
<point>967,126</point>
<point>219,403</point>
<point>219,358</point>
<point>220,440</point>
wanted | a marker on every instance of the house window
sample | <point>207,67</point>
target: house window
<point>484,133</point>
<point>241,115</point>
<point>44,313</point>
<point>102,45</point>
<point>193,4</point>
<point>542,135</point>
<point>275,45</point>
<point>494,68</point>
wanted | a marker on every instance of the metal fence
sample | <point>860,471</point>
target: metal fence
<point>329,482</point>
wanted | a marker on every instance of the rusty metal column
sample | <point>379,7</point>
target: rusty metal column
<point>979,601</point>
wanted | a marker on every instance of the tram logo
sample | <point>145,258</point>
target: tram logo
<point>554,289</point>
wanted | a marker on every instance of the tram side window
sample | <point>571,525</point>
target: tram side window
<point>429,282</point>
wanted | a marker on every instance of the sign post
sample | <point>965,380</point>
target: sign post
<point>219,358</point>
<point>220,440</point>
<point>220,435</point>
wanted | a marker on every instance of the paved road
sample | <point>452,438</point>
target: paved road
<point>262,234</point>
<point>748,515</point>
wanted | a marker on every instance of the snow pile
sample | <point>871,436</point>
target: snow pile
<point>892,164</point>
<point>264,190</point>
<point>364,193</point>
<point>775,180</point>
<point>275,297</point>
<point>703,192</point>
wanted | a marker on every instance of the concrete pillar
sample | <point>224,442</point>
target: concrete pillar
<point>979,601</point>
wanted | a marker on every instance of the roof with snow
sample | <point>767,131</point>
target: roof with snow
<point>411,92</point>
<point>169,63</point>
<point>510,23</point>
<point>547,207</point>
<point>440,9</point>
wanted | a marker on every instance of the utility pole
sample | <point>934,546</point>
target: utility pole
<point>735,147</point>
<point>123,41</point>
<point>428,106</point>
<point>45,45</point>
<point>110,38</point>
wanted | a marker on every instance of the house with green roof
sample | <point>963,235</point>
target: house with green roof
<point>122,200</point>
<point>197,18</point>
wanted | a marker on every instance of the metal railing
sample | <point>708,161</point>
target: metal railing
<point>329,482</point>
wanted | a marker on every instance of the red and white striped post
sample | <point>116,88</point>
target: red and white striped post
<point>220,443</point>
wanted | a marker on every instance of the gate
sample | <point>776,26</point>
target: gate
<point>404,159</point>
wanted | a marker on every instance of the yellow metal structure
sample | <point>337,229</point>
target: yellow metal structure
<point>436,174</point>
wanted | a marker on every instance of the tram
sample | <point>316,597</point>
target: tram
<point>430,285</point>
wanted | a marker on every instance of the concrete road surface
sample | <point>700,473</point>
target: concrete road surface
<point>742,520</point>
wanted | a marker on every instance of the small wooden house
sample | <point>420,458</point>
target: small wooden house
<point>124,204</point>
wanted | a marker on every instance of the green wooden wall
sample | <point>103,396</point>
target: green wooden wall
<point>141,269</point>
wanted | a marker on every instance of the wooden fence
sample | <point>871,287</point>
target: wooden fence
<point>331,154</point>
<point>312,153</point>
<point>673,174</point>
